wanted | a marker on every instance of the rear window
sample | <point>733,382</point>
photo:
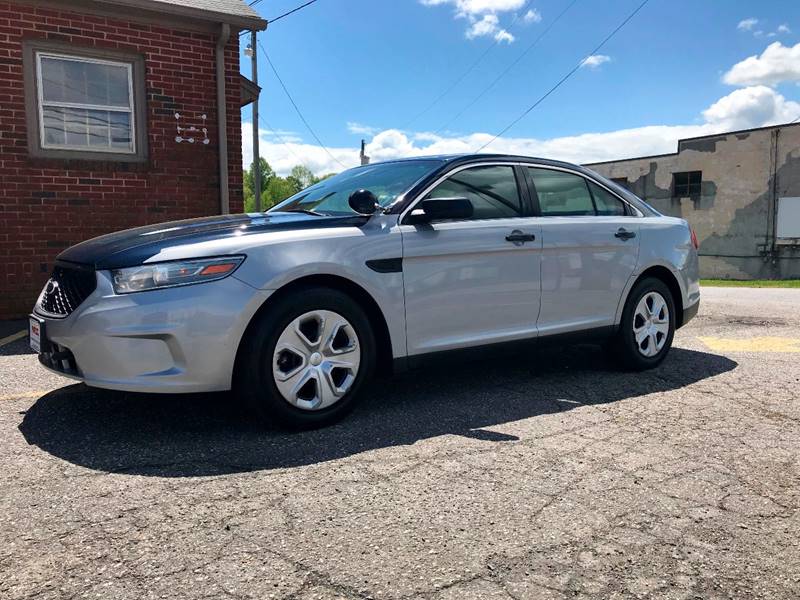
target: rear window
<point>561,194</point>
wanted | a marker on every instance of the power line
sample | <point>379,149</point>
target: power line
<point>507,69</point>
<point>294,10</point>
<point>567,76</point>
<point>469,69</point>
<point>279,17</point>
<point>263,121</point>
<point>297,109</point>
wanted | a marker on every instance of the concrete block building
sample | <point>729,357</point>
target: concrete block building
<point>740,191</point>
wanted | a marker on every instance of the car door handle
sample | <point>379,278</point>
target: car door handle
<point>518,237</point>
<point>624,234</point>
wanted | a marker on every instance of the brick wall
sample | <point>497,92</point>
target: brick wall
<point>47,205</point>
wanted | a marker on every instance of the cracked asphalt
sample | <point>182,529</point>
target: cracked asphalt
<point>549,476</point>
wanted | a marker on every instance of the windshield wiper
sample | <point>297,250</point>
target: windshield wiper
<point>306,211</point>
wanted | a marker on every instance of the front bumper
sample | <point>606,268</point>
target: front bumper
<point>175,340</point>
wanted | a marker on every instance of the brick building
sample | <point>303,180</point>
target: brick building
<point>92,96</point>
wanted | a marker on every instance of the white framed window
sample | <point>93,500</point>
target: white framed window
<point>85,104</point>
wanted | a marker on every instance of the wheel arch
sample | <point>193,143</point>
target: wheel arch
<point>669,279</point>
<point>364,299</point>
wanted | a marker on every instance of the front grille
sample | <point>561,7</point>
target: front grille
<point>66,289</point>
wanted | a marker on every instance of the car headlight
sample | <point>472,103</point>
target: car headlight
<point>172,274</point>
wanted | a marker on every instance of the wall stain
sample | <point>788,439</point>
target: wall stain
<point>748,230</point>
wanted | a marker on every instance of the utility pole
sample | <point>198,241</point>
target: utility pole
<point>364,157</point>
<point>256,149</point>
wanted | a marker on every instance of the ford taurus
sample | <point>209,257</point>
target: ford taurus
<point>377,269</point>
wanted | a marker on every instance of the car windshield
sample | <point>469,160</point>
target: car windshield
<point>330,196</point>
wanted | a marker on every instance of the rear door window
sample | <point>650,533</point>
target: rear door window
<point>607,204</point>
<point>561,194</point>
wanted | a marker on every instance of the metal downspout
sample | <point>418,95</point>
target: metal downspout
<point>222,120</point>
<point>256,125</point>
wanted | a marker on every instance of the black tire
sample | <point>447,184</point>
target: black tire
<point>625,346</point>
<point>255,382</point>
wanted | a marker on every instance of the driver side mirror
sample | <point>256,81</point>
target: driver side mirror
<point>440,209</point>
<point>363,202</point>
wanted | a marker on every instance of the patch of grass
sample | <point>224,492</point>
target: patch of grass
<point>753,283</point>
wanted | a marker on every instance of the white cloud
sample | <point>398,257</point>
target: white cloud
<point>595,60</point>
<point>478,7</point>
<point>778,63</point>
<point>489,25</point>
<point>750,24</point>
<point>360,129</point>
<point>282,154</point>
<point>751,107</point>
<point>747,24</point>
<point>483,16</point>
<point>741,109</point>
<point>532,16</point>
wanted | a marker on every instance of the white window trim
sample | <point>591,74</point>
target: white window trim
<point>131,110</point>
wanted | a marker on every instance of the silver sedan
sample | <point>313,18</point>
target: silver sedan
<point>381,268</point>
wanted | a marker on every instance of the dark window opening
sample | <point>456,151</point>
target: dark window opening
<point>622,182</point>
<point>688,183</point>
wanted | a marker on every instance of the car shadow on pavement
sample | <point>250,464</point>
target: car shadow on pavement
<point>211,434</point>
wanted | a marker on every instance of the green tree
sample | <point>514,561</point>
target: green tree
<point>267,175</point>
<point>278,190</point>
<point>304,176</point>
<point>275,189</point>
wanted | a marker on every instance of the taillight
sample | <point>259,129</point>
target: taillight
<point>695,243</point>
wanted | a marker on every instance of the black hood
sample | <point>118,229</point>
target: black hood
<point>135,246</point>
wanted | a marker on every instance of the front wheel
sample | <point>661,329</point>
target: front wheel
<point>647,327</point>
<point>306,358</point>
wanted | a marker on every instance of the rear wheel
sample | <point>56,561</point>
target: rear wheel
<point>647,327</point>
<point>306,358</point>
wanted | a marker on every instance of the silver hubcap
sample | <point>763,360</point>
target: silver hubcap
<point>651,324</point>
<point>316,360</point>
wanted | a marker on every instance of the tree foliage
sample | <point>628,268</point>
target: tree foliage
<point>274,188</point>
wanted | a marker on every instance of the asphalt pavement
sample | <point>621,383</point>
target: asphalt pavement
<point>552,475</point>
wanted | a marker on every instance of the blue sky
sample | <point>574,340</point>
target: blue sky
<point>367,68</point>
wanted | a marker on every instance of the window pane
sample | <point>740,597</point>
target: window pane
<point>78,128</point>
<point>121,131</point>
<point>687,183</point>
<point>492,191</point>
<point>561,194</point>
<point>54,127</point>
<point>607,204</point>
<point>79,82</point>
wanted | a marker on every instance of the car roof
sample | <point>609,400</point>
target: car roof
<point>463,158</point>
